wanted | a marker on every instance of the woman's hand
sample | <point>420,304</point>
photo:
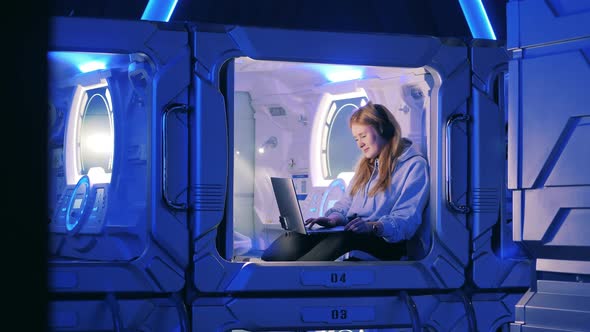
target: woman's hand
<point>360,226</point>
<point>322,221</point>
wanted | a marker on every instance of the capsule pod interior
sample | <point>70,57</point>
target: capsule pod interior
<point>112,106</point>
<point>291,120</point>
<point>271,90</point>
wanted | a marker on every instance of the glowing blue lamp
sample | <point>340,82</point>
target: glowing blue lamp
<point>159,10</point>
<point>91,66</point>
<point>477,19</point>
<point>343,75</point>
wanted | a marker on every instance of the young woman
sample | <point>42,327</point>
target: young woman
<point>383,204</point>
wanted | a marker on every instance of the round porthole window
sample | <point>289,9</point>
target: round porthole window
<point>338,155</point>
<point>332,151</point>
<point>95,134</point>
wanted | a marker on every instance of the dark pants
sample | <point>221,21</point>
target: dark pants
<point>293,246</point>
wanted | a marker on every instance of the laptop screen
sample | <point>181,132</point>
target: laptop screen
<point>290,212</point>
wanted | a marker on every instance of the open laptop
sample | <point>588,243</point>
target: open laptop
<point>291,217</point>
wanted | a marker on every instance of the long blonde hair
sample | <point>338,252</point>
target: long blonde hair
<point>386,126</point>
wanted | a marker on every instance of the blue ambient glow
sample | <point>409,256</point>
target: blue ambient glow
<point>91,66</point>
<point>477,19</point>
<point>84,62</point>
<point>159,10</point>
<point>341,75</point>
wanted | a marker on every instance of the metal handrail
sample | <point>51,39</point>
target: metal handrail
<point>448,180</point>
<point>172,108</point>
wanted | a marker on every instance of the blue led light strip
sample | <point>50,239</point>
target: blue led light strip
<point>159,10</point>
<point>477,19</point>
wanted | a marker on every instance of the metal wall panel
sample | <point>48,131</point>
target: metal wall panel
<point>548,159</point>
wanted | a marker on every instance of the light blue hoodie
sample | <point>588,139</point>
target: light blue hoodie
<point>400,207</point>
